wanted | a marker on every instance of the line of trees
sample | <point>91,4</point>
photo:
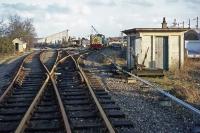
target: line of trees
<point>15,27</point>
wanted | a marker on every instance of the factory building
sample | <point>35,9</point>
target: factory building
<point>57,38</point>
<point>155,48</point>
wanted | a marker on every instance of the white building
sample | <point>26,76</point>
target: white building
<point>155,48</point>
<point>56,38</point>
<point>20,46</point>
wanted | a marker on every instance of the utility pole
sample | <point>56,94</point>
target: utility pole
<point>182,24</point>
<point>174,23</point>
<point>189,24</point>
<point>197,22</point>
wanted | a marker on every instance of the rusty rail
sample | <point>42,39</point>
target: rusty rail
<point>62,109</point>
<point>102,112</point>
<point>159,89</point>
<point>8,90</point>
<point>23,123</point>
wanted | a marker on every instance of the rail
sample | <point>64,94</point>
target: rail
<point>7,91</point>
<point>61,105</point>
<point>22,125</point>
<point>175,99</point>
<point>102,112</point>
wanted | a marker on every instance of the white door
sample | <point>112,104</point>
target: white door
<point>146,51</point>
<point>159,52</point>
<point>174,51</point>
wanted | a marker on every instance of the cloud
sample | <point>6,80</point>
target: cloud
<point>172,1</point>
<point>108,16</point>
<point>18,7</point>
<point>139,2</point>
<point>34,7</point>
<point>102,3</point>
<point>57,9</point>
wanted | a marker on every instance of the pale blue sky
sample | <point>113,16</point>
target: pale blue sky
<point>108,16</point>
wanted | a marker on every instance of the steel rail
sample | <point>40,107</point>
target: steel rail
<point>62,108</point>
<point>102,112</point>
<point>21,127</point>
<point>61,105</point>
<point>23,123</point>
<point>159,89</point>
<point>8,89</point>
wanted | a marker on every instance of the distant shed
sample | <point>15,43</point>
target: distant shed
<point>20,46</point>
<point>193,48</point>
<point>192,34</point>
<point>192,43</point>
<point>155,48</point>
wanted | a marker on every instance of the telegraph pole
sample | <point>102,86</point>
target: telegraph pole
<point>189,24</point>
<point>197,22</point>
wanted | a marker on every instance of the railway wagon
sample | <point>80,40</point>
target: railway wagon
<point>97,41</point>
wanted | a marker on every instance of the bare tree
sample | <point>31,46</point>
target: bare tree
<point>16,28</point>
<point>24,29</point>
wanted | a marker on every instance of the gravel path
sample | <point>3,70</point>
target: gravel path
<point>141,104</point>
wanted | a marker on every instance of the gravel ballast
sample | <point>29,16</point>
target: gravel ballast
<point>141,104</point>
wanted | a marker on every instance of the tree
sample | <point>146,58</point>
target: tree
<point>23,29</point>
<point>16,28</point>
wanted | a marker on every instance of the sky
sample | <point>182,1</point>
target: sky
<point>109,17</point>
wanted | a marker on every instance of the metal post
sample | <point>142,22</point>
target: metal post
<point>189,23</point>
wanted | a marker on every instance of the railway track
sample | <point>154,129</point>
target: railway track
<point>23,97</point>
<point>47,116</point>
<point>39,100</point>
<point>12,72</point>
<point>15,101</point>
<point>88,110</point>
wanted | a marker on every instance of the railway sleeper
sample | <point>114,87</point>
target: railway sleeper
<point>10,126</point>
<point>46,116</point>
<point>43,126</point>
<point>83,114</point>
<point>87,125</point>
<point>65,94</point>
<point>77,102</point>
<point>82,97</point>
<point>8,105</point>
<point>10,118</point>
<point>79,107</point>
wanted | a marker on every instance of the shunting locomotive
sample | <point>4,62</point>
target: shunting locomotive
<point>97,41</point>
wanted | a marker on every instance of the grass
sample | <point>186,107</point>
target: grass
<point>182,82</point>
